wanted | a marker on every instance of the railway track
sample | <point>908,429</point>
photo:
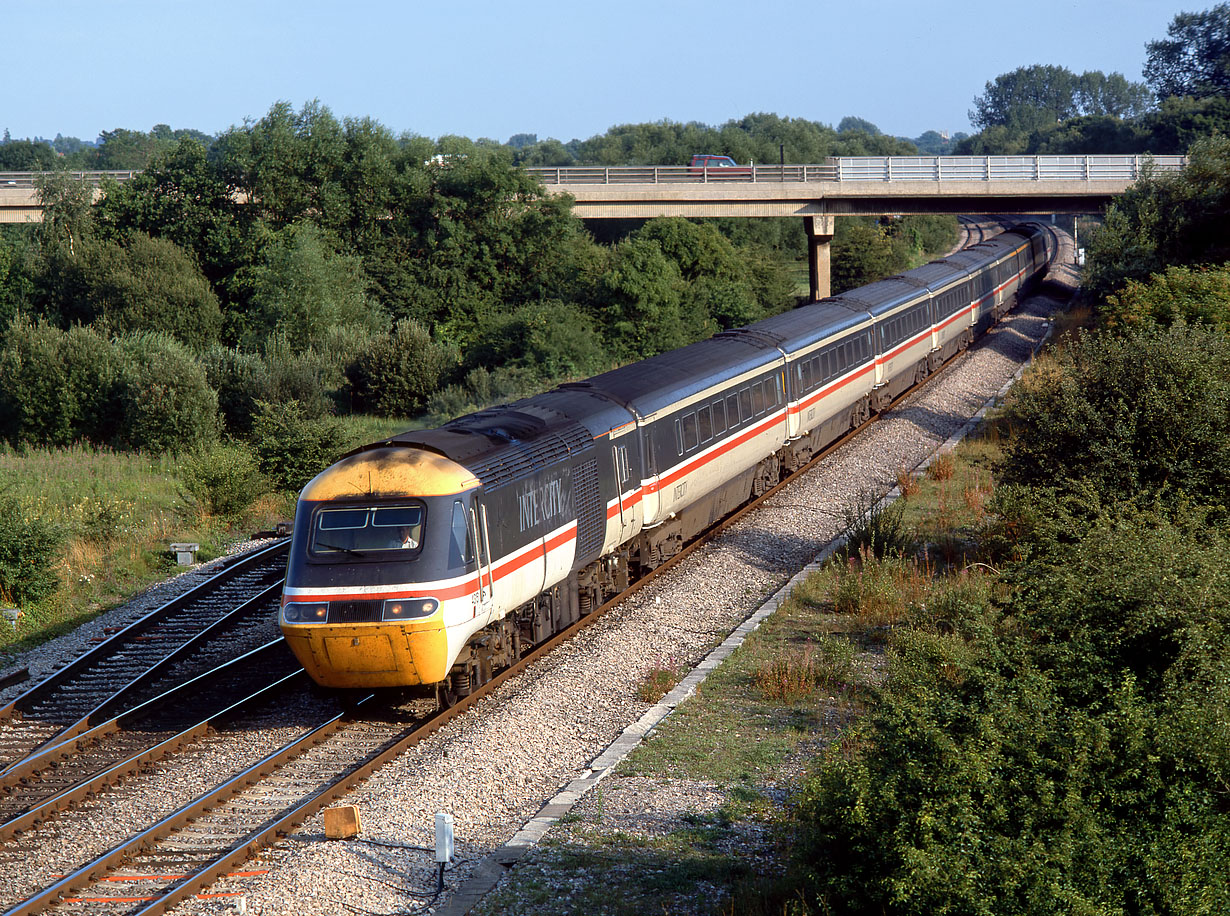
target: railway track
<point>186,851</point>
<point>217,620</point>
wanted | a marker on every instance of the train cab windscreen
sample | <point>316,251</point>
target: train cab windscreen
<point>360,529</point>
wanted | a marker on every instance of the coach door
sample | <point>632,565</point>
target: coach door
<point>626,465</point>
<point>482,541</point>
<point>650,501</point>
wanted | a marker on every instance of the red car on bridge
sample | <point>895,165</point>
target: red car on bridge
<point>719,167</point>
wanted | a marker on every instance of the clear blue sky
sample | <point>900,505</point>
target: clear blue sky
<point>563,70</point>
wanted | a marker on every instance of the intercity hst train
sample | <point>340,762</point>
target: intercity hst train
<point>433,557</point>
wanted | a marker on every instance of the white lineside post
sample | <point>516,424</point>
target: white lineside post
<point>444,845</point>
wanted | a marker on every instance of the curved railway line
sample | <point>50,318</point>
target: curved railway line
<point>93,723</point>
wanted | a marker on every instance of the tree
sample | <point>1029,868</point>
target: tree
<point>27,156</point>
<point>643,291</point>
<point>182,198</point>
<point>1195,59</point>
<point>1179,122</point>
<point>1036,97</point>
<point>302,286</point>
<point>850,123</point>
<point>862,252</point>
<point>66,211</point>
<point>1112,96</point>
<point>1172,218</point>
<point>288,165</point>
<point>126,149</point>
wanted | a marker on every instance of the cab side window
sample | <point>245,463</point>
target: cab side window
<point>461,544</point>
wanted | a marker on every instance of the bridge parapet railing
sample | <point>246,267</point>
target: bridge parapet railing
<point>30,179</point>
<point>882,168</point>
<point>850,168</point>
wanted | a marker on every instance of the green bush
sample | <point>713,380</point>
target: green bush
<point>36,404</point>
<point>241,380</point>
<point>400,371</point>
<point>56,386</point>
<point>291,448</point>
<point>1194,295</point>
<point>92,364</point>
<point>222,479</point>
<point>1144,415</point>
<point>149,284</point>
<point>29,547</point>
<point>164,398</point>
<point>1065,752</point>
<point>550,340</point>
<point>304,375</point>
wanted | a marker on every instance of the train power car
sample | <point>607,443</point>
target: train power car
<point>432,558</point>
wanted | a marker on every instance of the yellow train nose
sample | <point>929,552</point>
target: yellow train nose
<point>375,655</point>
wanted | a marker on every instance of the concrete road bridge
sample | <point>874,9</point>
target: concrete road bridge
<point>854,186</point>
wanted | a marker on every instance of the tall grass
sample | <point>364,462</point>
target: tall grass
<point>118,513</point>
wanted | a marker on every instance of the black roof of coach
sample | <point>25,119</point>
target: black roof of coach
<point>938,274</point>
<point>882,296</point>
<point>662,380</point>
<point>803,326</point>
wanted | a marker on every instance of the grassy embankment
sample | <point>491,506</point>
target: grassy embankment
<point>118,513</point>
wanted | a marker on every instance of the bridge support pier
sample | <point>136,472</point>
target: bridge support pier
<point>819,234</point>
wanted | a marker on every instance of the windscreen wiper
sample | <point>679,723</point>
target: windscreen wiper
<point>352,552</point>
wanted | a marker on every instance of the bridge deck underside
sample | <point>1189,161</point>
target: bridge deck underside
<point>839,199</point>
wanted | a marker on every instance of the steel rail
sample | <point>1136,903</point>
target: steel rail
<point>268,664</point>
<point>112,646</point>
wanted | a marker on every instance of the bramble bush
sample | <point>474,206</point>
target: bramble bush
<point>1145,414</point>
<point>1197,295</point>
<point>290,447</point>
<point>165,401</point>
<point>222,479</point>
<point>1067,754</point>
<point>29,547</point>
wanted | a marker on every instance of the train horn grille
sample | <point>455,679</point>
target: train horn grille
<point>355,611</point>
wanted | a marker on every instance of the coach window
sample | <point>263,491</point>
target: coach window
<point>678,437</point>
<point>745,403</point>
<point>732,410</point>
<point>805,375</point>
<point>689,432</point>
<point>757,399</point>
<point>705,421</point>
<point>719,417</point>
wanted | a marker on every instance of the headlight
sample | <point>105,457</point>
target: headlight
<point>409,608</point>
<point>305,612</point>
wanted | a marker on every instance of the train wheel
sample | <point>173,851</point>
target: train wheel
<point>446,696</point>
